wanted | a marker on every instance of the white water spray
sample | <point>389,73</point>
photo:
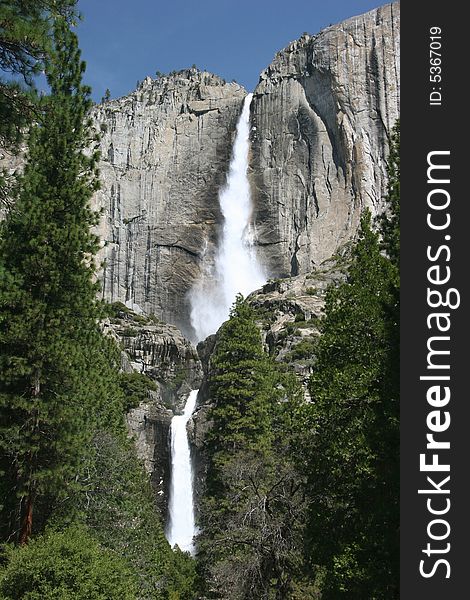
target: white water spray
<point>236,267</point>
<point>236,271</point>
<point>181,525</point>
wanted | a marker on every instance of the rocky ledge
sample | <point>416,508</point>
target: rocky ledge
<point>161,352</point>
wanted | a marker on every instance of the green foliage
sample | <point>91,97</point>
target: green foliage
<point>240,386</point>
<point>177,380</point>
<point>130,332</point>
<point>135,387</point>
<point>301,324</point>
<point>352,456</point>
<point>25,43</point>
<point>303,350</point>
<point>252,512</point>
<point>118,310</point>
<point>181,577</point>
<point>25,33</point>
<point>115,501</point>
<point>70,565</point>
<point>23,39</point>
<point>57,372</point>
<point>64,451</point>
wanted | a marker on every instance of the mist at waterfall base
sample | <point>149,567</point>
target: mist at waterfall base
<point>236,269</point>
<point>181,525</point>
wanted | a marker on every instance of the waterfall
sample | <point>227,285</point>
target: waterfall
<point>236,270</point>
<point>181,526</point>
<point>236,267</point>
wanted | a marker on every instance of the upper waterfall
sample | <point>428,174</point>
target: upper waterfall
<point>237,269</point>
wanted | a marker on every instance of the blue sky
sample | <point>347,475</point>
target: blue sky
<point>125,40</point>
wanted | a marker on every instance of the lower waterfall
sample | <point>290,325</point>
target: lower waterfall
<point>181,526</point>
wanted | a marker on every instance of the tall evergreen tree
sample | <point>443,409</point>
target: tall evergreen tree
<point>25,43</point>
<point>353,453</point>
<point>249,547</point>
<point>64,453</point>
<point>54,379</point>
<point>239,386</point>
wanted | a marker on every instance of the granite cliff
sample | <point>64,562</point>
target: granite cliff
<point>321,117</point>
<point>322,114</point>
<point>165,150</point>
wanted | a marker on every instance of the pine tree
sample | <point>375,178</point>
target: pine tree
<point>353,452</point>
<point>25,43</point>
<point>25,33</point>
<point>249,547</point>
<point>240,385</point>
<point>55,376</point>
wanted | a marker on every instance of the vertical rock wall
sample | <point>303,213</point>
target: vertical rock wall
<point>165,152</point>
<point>322,114</point>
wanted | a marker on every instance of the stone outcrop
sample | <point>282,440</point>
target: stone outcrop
<point>289,311</point>
<point>322,114</point>
<point>165,151</point>
<point>162,353</point>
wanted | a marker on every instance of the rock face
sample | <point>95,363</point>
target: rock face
<point>162,353</point>
<point>322,114</point>
<point>165,152</point>
<point>289,311</point>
